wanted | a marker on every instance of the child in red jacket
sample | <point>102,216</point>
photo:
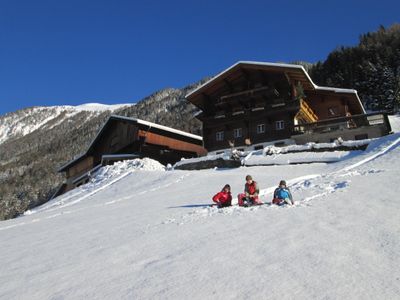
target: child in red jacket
<point>250,195</point>
<point>223,198</point>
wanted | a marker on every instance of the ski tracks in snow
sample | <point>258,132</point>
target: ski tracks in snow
<point>309,187</point>
<point>64,203</point>
<point>168,184</point>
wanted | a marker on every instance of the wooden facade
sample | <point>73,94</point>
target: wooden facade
<point>122,138</point>
<point>253,103</point>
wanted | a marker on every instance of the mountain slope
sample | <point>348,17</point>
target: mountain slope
<point>147,234</point>
<point>22,122</point>
<point>372,67</point>
<point>36,141</point>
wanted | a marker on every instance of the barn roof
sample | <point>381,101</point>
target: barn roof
<point>226,78</point>
<point>143,125</point>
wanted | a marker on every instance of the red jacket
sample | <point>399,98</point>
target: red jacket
<point>222,197</point>
<point>251,189</point>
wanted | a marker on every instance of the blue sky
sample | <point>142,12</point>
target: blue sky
<point>73,52</point>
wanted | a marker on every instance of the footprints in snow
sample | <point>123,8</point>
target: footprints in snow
<point>309,188</point>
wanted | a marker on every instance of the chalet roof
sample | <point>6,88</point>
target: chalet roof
<point>143,124</point>
<point>147,125</point>
<point>72,162</point>
<point>229,75</point>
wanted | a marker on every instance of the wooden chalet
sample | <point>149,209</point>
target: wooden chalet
<point>123,138</point>
<point>253,104</point>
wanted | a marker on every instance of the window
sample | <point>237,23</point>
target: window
<point>279,125</point>
<point>219,136</point>
<point>237,133</point>
<point>260,128</point>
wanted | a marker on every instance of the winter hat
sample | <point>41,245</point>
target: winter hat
<point>248,177</point>
<point>282,182</point>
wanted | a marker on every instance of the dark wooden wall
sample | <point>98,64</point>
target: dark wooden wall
<point>248,123</point>
<point>124,137</point>
<point>170,143</point>
<point>117,136</point>
<point>321,104</point>
<point>81,167</point>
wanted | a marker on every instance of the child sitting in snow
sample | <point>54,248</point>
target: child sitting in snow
<point>282,194</point>
<point>250,195</point>
<point>224,197</point>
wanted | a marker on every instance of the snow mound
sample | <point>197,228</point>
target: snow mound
<point>259,159</point>
<point>145,164</point>
<point>292,154</point>
<point>185,161</point>
<point>100,180</point>
<point>270,150</point>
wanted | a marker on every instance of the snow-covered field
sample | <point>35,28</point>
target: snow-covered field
<point>138,231</point>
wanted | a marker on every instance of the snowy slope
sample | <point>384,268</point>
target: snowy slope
<point>138,231</point>
<point>27,120</point>
<point>98,107</point>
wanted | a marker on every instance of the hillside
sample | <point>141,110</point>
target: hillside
<point>23,122</point>
<point>34,142</point>
<point>138,232</point>
<point>372,68</point>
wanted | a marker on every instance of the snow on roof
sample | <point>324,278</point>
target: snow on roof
<point>336,90</point>
<point>150,124</point>
<point>280,65</point>
<point>344,91</point>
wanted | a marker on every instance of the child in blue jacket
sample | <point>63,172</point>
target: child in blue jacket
<point>282,194</point>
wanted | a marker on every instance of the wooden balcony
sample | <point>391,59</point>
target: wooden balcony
<point>348,123</point>
<point>306,114</point>
<point>265,108</point>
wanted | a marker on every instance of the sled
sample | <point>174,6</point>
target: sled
<point>252,205</point>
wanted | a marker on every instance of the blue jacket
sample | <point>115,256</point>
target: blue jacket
<point>282,193</point>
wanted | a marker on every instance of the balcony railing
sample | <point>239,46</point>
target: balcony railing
<point>350,122</point>
<point>273,106</point>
